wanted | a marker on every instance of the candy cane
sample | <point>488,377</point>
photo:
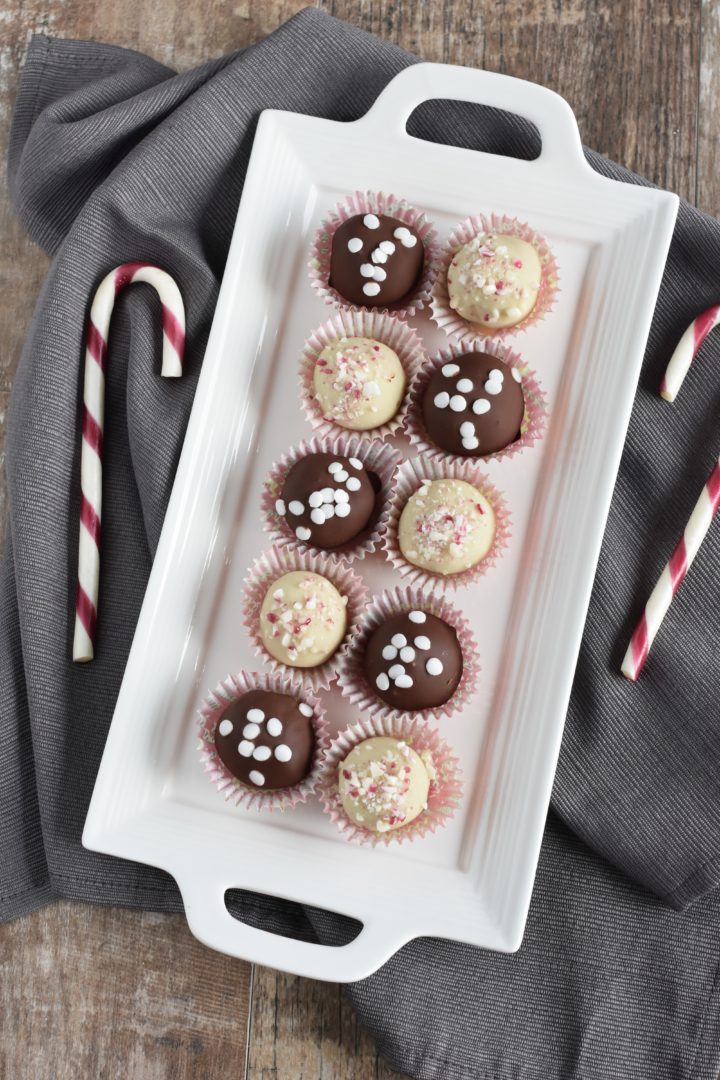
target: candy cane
<point>700,519</point>
<point>93,419</point>
<point>686,350</point>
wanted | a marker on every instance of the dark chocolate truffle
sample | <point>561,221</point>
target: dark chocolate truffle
<point>414,661</point>
<point>473,405</point>
<point>327,500</point>
<point>375,260</point>
<point>266,740</point>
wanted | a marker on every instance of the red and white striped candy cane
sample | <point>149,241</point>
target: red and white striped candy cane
<point>93,420</point>
<point>686,350</point>
<point>700,519</point>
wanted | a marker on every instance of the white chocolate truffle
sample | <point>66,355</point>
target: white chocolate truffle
<point>446,527</point>
<point>303,619</point>
<point>359,383</point>
<point>493,281</point>
<point>384,784</point>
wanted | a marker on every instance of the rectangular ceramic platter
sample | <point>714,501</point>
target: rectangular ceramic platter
<point>152,803</point>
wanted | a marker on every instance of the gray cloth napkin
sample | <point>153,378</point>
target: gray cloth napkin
<point>115,157</point>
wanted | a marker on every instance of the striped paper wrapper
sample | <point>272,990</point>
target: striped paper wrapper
<point>445,787</point>
<point>374,202</point>
<point>353,679</point>
<point>377,458</point>
<point>410,478</point>
<point>233,790</point>
<point>379,326</point>
<point>271,565</point>
<point>533,424</point>
<point>472,334</point>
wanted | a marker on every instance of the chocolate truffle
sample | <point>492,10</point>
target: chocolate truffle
<point>473,405</point>
<point>384,784</point>
<point>414,661</point>
<point>327,500</point>
<point>359,383</point>
<point>375,260</point>
<point>446,527</point>
<point>303,619</point>
<point>494,280</point>
<point>266,740</point>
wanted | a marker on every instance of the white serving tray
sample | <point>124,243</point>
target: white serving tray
<point>152,803</point>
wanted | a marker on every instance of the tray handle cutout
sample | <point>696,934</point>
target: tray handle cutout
<point>550,113</point>
<point>211,922</point>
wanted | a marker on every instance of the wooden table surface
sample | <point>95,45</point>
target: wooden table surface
<point>77,998</point>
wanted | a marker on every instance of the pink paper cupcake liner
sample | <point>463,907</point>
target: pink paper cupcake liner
<point>468,333</point>
<point>352,322</point>
<point>445,787</point>
<point>271,565</point>
<point>353,680</point>
<point>532,428</point>
<point>211,711</point>
<point>373,202</point>
<point>410,477</point>
<point>378,458</point>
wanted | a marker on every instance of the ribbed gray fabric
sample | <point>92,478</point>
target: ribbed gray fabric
<point>115,157</point>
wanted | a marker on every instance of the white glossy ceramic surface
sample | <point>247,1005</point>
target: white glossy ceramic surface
<point>471,881</point>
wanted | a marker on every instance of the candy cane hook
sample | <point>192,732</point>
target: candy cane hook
<point>700,520</point>
<point>93,421</point>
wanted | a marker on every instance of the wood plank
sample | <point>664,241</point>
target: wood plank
<point>708,151</point>
<point>102,993</point>
<point>306,1030</point>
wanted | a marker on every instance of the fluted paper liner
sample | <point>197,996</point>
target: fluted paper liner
<point>374,202</point>
<point>378,458</point>
<point>230,689</point>
<point>353,680</point>
<point>468,333</point>
<point>356,322</point>
<point>271,565</point>
<point>410,477</point>
<point>445,787</point>
<point>532,428</point>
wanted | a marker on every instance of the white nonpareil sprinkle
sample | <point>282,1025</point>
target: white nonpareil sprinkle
<point>371,288</point>
<point>464,386</point>
<point>256,716</point>
<point>458,403</point>
<point>378,256</point>
<point>334,466</point>
<point>407,654</point>
<point>355,462</point>
<point>388,653</point>
<point>305,709</point>
<point>442,400</point>
<point>251,731</point>
<point>261,753</point>
<point>482,405</point>
<point>382,682</point>
<point>296,507</point>
<point>434,666</point>
<point>398,640</point>
<point>367,269</point>
<point>371,221</point>
<point>467,428</point>
<point>417,616</point>
<point>379,274</point>
<point>387,246</point>
<point>225,727</point>
<point>353,483</point>
<point>396,671</point>
<point>256,778</point>
<point>342,510</point>
<point>283,753</point>
<point>450,370</point>
<point>354,244</point>
<point>274,727</point>
<point>317,516</point>
<point>302,533</point>
<point>280,507</point>
<point>516,374</point>
<point>245,748</point>
<point>403,682</point>
<point>422,642</point>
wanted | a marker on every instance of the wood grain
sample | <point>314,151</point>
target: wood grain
<point>98,992</point>
<point>90,992</point>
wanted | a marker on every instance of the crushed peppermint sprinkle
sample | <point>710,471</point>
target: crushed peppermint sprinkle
<point>442,530</point>
<point>380,785</point>
<point>296,625</point>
